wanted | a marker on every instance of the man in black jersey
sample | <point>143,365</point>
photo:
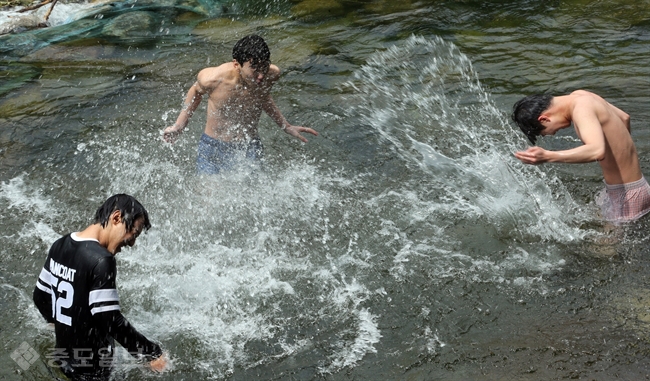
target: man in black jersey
<point>76,291</point>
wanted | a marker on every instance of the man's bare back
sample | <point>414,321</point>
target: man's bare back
<point>620,164</point>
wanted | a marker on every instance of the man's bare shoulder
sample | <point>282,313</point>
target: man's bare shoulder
<point>588,97</point>
<point>211,77</point>
<point>589,102</point>
<point>273,73</point>
<point>582,92</point>
<point>583,99</point>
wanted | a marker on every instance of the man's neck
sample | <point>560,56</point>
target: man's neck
<point>95,232</point>
<point>561,107</point>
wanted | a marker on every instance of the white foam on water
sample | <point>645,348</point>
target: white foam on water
<point>368,335</point>
<point>223,266</point>
<point>21,196</point>
<point>218,269</point>
<point>39,230</point>
<point>62,13</point>
<point>433,343</point>
<point>213,295</point>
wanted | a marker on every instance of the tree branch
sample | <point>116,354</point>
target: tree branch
<point>32,7</point>
<point>47,15</point>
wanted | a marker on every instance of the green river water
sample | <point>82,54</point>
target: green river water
<point>405,242</point>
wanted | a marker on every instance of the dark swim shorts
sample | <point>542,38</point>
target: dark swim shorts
<point>215,155</point>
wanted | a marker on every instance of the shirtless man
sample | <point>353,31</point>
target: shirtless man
<point>238,92</point>
<point>605,132</point>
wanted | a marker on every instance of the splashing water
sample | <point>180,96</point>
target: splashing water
<point>252,267</point>
<point>425,101</point>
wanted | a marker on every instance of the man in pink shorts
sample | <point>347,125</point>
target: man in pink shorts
<point>605,132</point>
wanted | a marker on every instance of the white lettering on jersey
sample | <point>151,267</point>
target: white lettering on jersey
<point>61,271</point>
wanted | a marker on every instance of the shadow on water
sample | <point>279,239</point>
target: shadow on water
<point>405,242</point>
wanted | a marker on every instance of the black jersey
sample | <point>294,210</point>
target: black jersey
<point>76,291</point>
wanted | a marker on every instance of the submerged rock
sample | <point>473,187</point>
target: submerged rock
<point>27,98</point>
<point>15,76</point>
<point>317,9</point>
<point>227,30</point>
<point>64,12</point>
<point>285,50</point>
<point>385,7</point>
<point>138,23</point>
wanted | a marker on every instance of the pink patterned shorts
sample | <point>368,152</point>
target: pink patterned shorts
<point>625,202</point>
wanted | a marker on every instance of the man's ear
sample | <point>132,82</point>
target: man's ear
<point>116,217</point>
<point>543,118</point>
<point>236,64</point>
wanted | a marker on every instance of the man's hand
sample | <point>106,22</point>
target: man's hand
<point>170,134</point>
<point>296,130</point>
<point>533,155</point>
<point>159,365</point>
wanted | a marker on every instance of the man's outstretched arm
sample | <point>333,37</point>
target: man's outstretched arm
<point>192,100</point>
<point>589,130</point>
<point>274,112</point>
<point>538,155</point>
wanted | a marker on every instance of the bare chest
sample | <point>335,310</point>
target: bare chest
<point>239,96</point>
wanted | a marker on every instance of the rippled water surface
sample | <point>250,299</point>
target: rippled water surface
<point>404,242</point>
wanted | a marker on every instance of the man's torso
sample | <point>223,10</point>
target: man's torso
<point>234,107</point>
<point>621,163</point>
<point>71,264</point>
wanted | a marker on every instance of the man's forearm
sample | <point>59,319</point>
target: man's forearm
<point>275,114</point>
<point>121,330</point>
<point>191,103</point>
<point>583,154</point>
<point>43,302</point>
<point>182,120</point>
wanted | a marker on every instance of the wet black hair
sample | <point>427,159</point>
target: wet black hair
<point>130,210</point>
<point>526,111</point>
<point>253,49</point>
